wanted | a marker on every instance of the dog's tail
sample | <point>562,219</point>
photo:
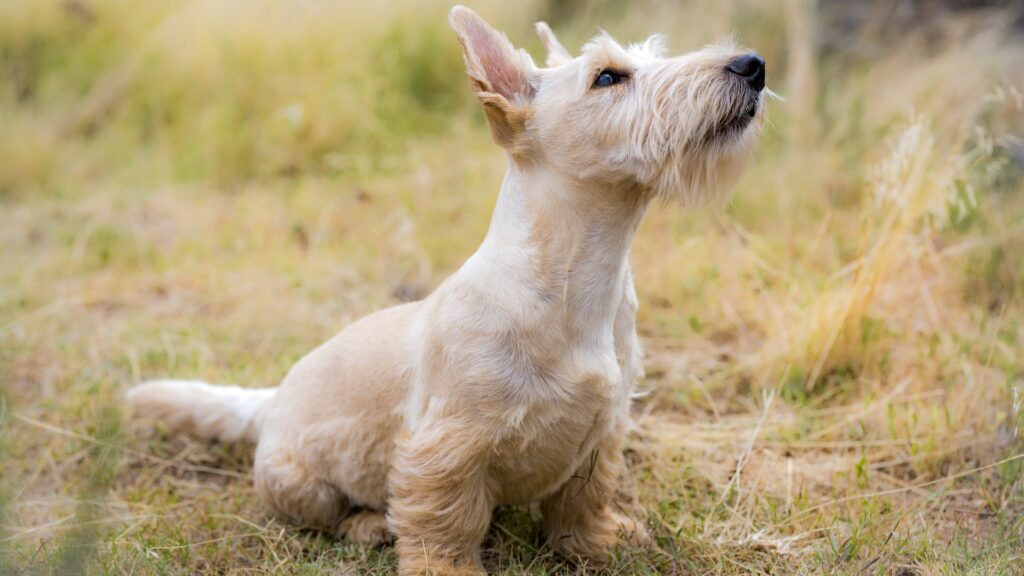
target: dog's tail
<point>225,413</point>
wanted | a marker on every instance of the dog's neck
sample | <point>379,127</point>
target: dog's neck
<point>566,244</point>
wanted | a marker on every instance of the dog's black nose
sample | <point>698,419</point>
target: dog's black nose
<point>750,67</point>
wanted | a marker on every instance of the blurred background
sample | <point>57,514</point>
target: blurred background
<point>209,189</point>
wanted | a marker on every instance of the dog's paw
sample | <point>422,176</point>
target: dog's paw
<point>630,531</point>
<point>366,527</point>
<point>439,569</point>
<point>595,540</point>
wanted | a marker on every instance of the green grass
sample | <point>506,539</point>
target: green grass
<point>833,359</point>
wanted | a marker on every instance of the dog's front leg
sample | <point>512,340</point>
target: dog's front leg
<point>440,503</point>
<point>581,519</point>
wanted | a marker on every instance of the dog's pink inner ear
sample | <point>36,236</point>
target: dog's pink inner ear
<point>491,61</point>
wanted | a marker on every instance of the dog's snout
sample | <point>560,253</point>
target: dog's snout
<point>750,67</point>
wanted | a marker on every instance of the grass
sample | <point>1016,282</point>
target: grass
<point>209,190</point>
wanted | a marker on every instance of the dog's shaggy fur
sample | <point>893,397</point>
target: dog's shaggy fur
<point>511,383</point>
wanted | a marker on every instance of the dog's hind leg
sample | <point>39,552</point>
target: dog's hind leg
<point>295,493</point>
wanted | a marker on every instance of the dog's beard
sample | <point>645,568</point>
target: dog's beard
<point>739,112</point>
<point>705,168</point>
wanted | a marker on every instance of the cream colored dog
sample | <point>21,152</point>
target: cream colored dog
<point>511,383</point>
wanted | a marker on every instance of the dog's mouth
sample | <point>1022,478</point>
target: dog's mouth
<point>751,109</point>
<point>741,120</point>
<point>738,122</point>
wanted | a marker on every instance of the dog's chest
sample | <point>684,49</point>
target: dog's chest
<point>551,437</point>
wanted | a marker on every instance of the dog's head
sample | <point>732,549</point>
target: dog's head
<point>678,127</point>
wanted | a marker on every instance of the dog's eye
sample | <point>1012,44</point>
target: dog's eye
<point>608,78</point>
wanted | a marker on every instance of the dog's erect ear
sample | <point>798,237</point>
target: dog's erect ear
<point>499,74</point>
<point>557,54</point>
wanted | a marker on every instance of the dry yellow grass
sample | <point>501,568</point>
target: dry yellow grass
<point>211,189</point>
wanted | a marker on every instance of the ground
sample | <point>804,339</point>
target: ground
<point>834,378</point>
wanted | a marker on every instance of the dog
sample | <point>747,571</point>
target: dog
<point>511,383</point>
